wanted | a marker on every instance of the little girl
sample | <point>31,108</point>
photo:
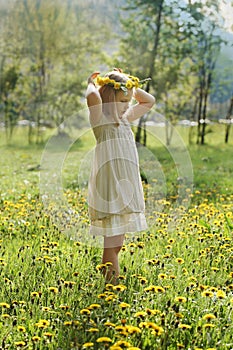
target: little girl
<point>115,193</point>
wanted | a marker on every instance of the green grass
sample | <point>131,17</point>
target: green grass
<point>176,278</point>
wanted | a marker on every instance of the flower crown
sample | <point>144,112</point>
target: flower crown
<point>124,86</point>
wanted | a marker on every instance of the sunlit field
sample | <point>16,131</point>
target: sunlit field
<point>175,290</point>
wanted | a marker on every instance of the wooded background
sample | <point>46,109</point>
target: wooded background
<point>48,48</point>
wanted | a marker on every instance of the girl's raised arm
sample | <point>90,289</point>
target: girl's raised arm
<point>94,101</point>
<point>145,103</point>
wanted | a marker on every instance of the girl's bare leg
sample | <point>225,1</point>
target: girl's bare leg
<point>112,247</point>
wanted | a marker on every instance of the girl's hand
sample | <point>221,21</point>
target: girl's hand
<point>91,78</point>
<point>118,70</point>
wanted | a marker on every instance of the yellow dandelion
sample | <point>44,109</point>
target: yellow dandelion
<point>172,277</point>
<point>35,294</point>
<point>64,307</point>
<point>111,297</point>
<point>107,80</point>
<point>104,340</point>
<point>133,329</point>
<point>117,85</point>
<point>208,325</point>
<point>181,299</point>
<point>20,343</point>
<point>143,280</point>
<point>85,312</point>
<point>129,84</point>
<point>184,326</point>
<point>109,324</point>
<point>230,287</point>
<point>93,330</point>
<point>53,290</point>
<point>207,293</point>
<point>180,260</point>
<point>119,287</point>
<point>123,343</point>
<point>94,306</point>
<point>69,284</point>
<point>46,308</point>
<point>140,314</point>
<point>133,78</point>
<point>101,296</point>
<point>153,312</point>
<point>100,267</point>
<point>87,345</point>
<point>5,305</point>
<point>48,334</point>
<point>21,329</point>
<point>124,305</point>
<point>100,81</point>
<point>208,317</point>
<point>42,324</point>
<point>157,329</point>
<point>221,294</point>
<point>157,289</point>
<point>36,338</point>
<point>120,328</point>
<point>109,286</point>
<point>143,324</point>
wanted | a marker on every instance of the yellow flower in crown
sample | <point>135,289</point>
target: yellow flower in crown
<point>107,80</point>
<point>129,84</point>
<point>134,79</point>
<point>100,81</point>
<point>117,85</point>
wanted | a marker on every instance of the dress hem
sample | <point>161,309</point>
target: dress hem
<point>118,224</point>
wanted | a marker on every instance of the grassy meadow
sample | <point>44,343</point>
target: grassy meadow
<point>175,290</point>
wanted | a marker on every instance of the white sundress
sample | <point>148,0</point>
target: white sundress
<point>115,192</point>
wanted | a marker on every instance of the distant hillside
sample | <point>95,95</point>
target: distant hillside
<point>228,48</point>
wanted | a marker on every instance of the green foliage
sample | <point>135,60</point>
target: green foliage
<point>53,40</point>
<point>49,48</point>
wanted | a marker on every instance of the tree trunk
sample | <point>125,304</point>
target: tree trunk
<point>206,95</point>
<point>6,119</point>
<point>139,131</point>
<point>193,117</point>
<point>151,69</point>
<point>30,132</point>
<point>144,132</point>
<point>228,119</point>
<point>199,116</point>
